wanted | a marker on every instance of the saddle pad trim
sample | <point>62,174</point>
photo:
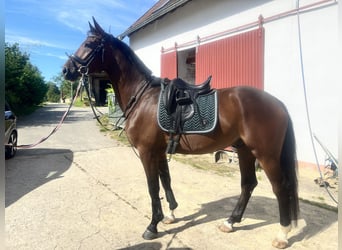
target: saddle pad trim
<point>208,130</point>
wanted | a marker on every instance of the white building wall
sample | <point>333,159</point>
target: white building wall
<point>283,75</point>
<point>282,58</point>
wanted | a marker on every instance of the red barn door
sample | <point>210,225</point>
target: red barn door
<point>169,65</point>
<point>233,61</point>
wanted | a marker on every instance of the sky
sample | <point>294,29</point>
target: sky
<point>47,30</point>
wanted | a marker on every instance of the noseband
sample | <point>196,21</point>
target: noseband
<point>83,69</point>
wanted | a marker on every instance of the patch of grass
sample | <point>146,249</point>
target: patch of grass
<point>116,134</point>
<point>120,136</point>
<point>206,162</point>
<point>84,102</point>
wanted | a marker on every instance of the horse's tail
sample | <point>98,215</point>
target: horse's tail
<point>288,162</point>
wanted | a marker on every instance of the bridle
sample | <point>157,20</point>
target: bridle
<point>83,69</point>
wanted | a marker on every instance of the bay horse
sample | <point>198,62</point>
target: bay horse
<point>258,123</point>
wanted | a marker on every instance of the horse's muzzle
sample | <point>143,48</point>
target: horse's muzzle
<point>69,74</point>
<point>65,71</point>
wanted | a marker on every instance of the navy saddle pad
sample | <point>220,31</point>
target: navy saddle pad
<point>202,123</point>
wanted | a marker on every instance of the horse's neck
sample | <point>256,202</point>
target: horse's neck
<point>127,76</point>
<point>127,86</point>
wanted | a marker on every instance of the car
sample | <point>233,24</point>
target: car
<point>11,133</point>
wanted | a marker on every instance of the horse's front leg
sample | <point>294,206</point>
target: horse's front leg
<point>165,178</point>
<point>152,174</point>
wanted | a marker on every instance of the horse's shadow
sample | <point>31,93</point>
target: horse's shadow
<point>151,246</point>
<point>264,210</point>
<point>145,245</point>
<point>221,209</point>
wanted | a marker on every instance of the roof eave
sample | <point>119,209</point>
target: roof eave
<point>155,16</point>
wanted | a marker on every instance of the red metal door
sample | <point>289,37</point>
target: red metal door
<point>169,65</point>
<point>233,61</point>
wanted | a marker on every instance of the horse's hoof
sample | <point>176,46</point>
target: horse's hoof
<point>148,235</point>
<point>226,227</point>
<point>281,244</point>
<point>169,219</point>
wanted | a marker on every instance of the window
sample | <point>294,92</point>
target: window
<point>187,65</point>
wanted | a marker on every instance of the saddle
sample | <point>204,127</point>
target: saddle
<point>179,101</point>
<point>180,93</point>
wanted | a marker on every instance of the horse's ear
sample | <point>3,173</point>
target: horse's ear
<point>92,29</point>
<point>98,28</point>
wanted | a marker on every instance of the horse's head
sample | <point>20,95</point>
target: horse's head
<point>89,56</point>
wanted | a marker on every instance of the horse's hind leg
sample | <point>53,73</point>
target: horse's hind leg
<point>248,183</point>
<point>283,193</point>
<point>282,173</point>
<point>165,178</point>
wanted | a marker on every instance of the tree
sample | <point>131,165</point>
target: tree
<point>65,86</point>
<point>24,84</point>
<point>15,62</point>
<point>53,94</point>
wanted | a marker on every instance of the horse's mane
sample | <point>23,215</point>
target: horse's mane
<point>132,57</point>
<point>128,52</point>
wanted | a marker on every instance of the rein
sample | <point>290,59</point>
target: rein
<point>130,105</point>
<point>84,70</point>
<point>57,127</point>
<point>85,80</point>
<point>134,98</point>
